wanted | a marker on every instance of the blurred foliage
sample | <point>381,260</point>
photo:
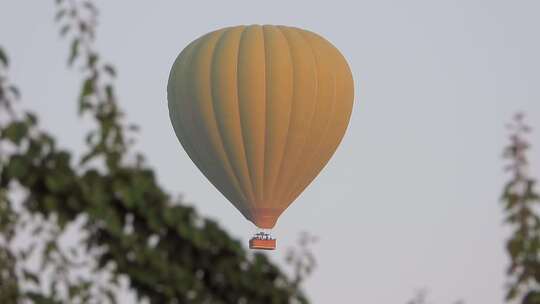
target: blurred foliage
<point>421,297</point>
<point>520,201</point>
<point>302,259</point>
<point>130,226</point>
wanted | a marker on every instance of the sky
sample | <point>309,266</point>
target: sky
<point>410,200</point>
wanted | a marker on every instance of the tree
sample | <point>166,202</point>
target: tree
<point>129,225</point>
<point>520,201</point>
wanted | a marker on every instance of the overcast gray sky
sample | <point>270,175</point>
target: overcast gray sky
<point>416,181</point>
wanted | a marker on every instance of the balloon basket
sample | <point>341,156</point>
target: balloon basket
<point>262,241</point>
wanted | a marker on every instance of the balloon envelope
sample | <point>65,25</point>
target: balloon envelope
<point>260,110</point>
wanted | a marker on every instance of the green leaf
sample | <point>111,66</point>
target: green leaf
<point>110,295</point>
<point>74,51</point>
<point>62,160</point>
<point>86,91</point>
<point>88,5</point>
<point>89,139</point>
<point>40,299</point>
<point>54,183</point>
<point>3,57</point>
<point>29,276</point>
<point>97,150</point>
<point>83,27</point>
<point>15,132</point>
<point>17,167</point>
<point>61,13</point>
<point>110,70</point>
<point>15,91</point>
<point>112,160</point>
<point>133,127</point>
<point>532,297</point>
<point>125,194</point>
<point>109,90</point>
<point>64,29</point>
<point>92,59</point>
<point>31,119</point>
<point>50,203</point>
<point>114,225</point>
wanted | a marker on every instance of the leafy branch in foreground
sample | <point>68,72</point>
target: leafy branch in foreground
<point>520,201</point>
<point>31,164</point>
<point>9,289</point>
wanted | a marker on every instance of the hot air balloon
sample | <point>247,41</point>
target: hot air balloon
<point>260,110</point>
